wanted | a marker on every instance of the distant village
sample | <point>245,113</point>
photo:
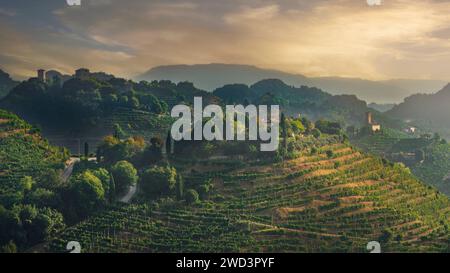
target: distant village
<point>55,77</point>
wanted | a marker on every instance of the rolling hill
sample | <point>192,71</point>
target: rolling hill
<point>333,198</point>
<point>309,101</point>
<point>86,110</point>
<point>212,76</point>
<point>23,152</point>
<point>427,111</point>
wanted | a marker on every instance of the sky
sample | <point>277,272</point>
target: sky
<point>346,38</point>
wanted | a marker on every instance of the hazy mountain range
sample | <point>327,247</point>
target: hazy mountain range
<point>428,111</point>
<point>212,76</point>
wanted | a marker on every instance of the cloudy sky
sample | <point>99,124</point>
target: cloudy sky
<point>398,39</point>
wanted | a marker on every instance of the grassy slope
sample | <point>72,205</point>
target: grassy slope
<point>436,167</point>
<point>308,204</point>
<point>380,143</point>
<point>434,170</point>
<point>133,122</point>
<point>23,153</point>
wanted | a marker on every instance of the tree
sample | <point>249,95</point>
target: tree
<point>103,175</point>
<point>9,199</point>
<point>26,183</point>
<point>51,180</point>
<point>125,175</point>
<point>297,126</point>
<point>192,196</point>
<point>169,143</point>
<point>328,127</point>
<point>88,193</point>
<point>133,102</point>
<point>98,154</point>
<point>118,132</point>
<point>180,187</point>
<point>86,149</point>
<point>9,226</point>
<point>153,153</point>
<point>203,191</point>
<point>307,124</point>
<point>385,236</point>
<point>10,247</point>
<point>47,222</point>
<point>38,224</point>
<point>316,133</point>
<point>329,153</point>
<point>157,181</point>
<point>41,197</point>
<point>123,101</point>
<point>284,133</point>
<point>151,103</point>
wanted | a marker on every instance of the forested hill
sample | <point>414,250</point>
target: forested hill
<point>89,107</point>
<point>6,83</point>
<point>310,101</point>
<point>30,185</point>
<point>429,111</point>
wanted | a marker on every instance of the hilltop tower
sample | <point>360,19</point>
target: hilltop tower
<point>373,126</point>
<point>82,74</point>
<point>41,75</point>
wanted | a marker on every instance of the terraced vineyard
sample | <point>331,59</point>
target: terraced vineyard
<point>23,153</point>
<point>380,143</point>
<point>433,167</point>
<point>138,122</point>
<point>317,202</point>
<point>133,123</point>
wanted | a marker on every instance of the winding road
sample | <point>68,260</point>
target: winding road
<point>131,192</point>
<point>69,168</point>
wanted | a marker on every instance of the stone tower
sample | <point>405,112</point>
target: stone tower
<point>369,118</point>
<point>41,75</point>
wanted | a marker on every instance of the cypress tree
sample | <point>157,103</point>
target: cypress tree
<point>180,187</point>
<point>284,131</point>
<point>86,149</point>
<point>169,143</point>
